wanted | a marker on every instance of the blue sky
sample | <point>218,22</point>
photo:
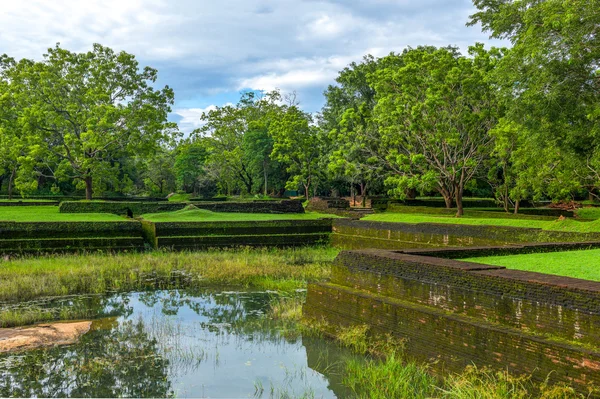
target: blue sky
<point>210,51</point>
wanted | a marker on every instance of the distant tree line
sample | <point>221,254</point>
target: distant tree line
<point>519,123</point>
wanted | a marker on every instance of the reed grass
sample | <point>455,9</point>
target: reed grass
<point>282,269</point>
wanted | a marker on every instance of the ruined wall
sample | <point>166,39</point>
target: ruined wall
<point>353,234</point>
<point>459,313</point>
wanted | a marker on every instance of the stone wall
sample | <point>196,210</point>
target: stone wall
<point>459,313</point>
<point>351,234</point>
<point>203,235</point>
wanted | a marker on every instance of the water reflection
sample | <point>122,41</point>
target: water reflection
<point>180,343</point>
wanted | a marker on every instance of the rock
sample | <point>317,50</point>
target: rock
<point>41,335</point>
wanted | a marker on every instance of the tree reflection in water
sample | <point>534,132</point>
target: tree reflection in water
<point>176,342</point>
<point>119,360</point>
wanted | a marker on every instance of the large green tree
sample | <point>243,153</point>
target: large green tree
<point>297,144</point>
<point>434,115</point>
<point>82,112</point>
<point>550,86</point>
<point>239,141</point>
<point>12,144</point>
<point>348,118</point>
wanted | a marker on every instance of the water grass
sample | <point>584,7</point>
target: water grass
<point>24,279</point>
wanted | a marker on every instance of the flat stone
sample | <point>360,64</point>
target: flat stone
<point>41,335</point>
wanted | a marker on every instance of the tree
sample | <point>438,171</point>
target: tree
<point>550,86</point>
<point>226,128</point>
<point>84,111</point>
<point>257,146</point>
<point>190,160</point>
<point>434,114</point>
<point>12,145</point>
<point>297,145</point>
<point>159,172</point>
<point>348,118</point>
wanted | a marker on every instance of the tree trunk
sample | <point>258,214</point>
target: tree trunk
<point>88,187</point>
<point>364,195</point>
<point>517,203</point>
<point>447,198</point>
<point>459,204</point>
<point>11,180</point>
<point>459,195</point>
<point>265,174</point>
<point>306,192</point>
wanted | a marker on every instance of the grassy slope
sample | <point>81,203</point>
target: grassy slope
<point>200,215</point>
<point>558,225</point>
<point>578,264</point>
<point>51,214</point>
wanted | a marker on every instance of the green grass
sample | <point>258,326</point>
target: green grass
<point>387,373</point>
<point>589,213</point>
<point>556,225</point>
<point>201,215</point>
<point>51,214</point>
<point>180,197</point>
<point>281,269</point>
<point>28,200</point>
<point>578,264</point>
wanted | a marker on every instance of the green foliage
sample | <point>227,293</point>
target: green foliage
<point>297,144</point>
<point>548,81</point>
<point>189,166</point>
<point>81,114</point>
<point>348,118</point>
<point>237,141</point>
<point>434,114</point>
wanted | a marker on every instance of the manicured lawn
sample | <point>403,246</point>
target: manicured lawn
<point>51,214</point>
<point>180,197</point>
<point>201,215</point>
<point>589,213</point>
<point>28,200</point>
<point>558,225</point>
<point>578,264</point>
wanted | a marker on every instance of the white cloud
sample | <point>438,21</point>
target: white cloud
<point>190,117</point>
<point>208,50</point>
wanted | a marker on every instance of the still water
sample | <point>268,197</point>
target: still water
<point>183,344</point>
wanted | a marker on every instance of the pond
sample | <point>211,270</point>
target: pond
<point>179,343</point>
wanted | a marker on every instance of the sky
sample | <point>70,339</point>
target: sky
<point>210,51</point>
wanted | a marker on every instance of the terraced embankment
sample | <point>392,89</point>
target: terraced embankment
<point>455,313</point>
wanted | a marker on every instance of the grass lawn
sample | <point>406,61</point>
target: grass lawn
<point>29,200</point>
<point>51,214</point>
<point>589,213</point>
<point>578,264</point>
<point>180,197</point>
<point>201,215</point>
<point>557,225</point>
